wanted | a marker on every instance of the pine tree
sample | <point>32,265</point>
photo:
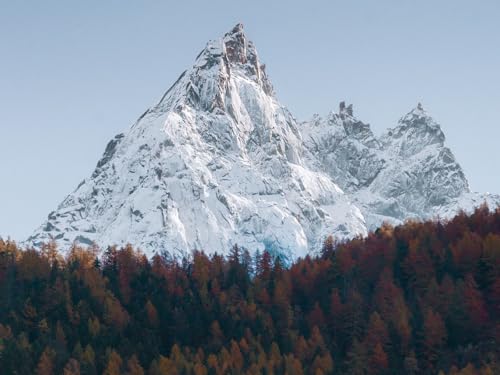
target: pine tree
<point>72,367</point>
<point>356,359</point>
<point>378,362</point>
<point>46,363</point>
<point>114,364</point>
<point>434,336</point>
<point>134,367</point>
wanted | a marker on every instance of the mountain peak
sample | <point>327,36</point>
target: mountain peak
<point>345,110</point>
<point>415,131</point>
<point>236,45</point>
<point>238,28</point>
<point>418,116</point>
<point>236,32</point>
<point>234,48</point>
<point>418,111</point>
<point>207,84</point>
<point>240,51</point>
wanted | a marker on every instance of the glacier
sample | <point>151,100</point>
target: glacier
<point>218,162</point>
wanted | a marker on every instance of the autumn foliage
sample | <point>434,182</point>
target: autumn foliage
<point>422,298</point>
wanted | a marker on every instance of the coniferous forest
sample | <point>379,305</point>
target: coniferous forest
<point>421,298</point>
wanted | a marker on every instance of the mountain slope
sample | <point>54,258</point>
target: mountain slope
<point>219,161</point>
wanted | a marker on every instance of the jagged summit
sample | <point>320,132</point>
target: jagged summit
<point>206,85</point>
<point>237,48</point>
<point>415,132</point>
<point>418,115</point>
<point>219,161</point>
<point>407,172</point>
<point>345,110</point>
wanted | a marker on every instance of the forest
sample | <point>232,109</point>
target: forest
<point>420,298</point>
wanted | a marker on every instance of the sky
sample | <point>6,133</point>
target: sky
<point>75,73</point>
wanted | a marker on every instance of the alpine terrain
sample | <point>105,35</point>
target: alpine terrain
<point>219,161</point>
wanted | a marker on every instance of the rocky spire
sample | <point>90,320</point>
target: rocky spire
<point>236,45</point>
<point>345,110</point>
<point>239,51</point>
<point>206,85</point>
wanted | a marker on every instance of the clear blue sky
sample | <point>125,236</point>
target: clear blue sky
<point>75,73</point>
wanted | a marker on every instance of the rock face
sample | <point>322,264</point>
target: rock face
<point>218,161</point>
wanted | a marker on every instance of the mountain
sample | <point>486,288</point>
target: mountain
<point>218,161</point>
<point>406,173</point>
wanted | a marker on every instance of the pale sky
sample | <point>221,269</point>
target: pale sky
<point>75,73</point>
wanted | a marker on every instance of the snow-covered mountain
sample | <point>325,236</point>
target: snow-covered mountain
<point>407,173</point>
<point>219,161</point>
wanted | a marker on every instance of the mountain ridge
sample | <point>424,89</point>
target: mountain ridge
<point>218,161</point>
